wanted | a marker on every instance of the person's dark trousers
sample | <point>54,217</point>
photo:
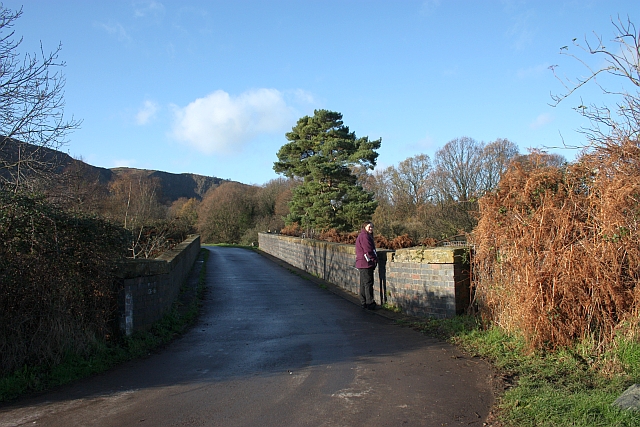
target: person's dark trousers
<point>366,286</point>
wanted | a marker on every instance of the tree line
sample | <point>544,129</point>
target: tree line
<point>334,183</point>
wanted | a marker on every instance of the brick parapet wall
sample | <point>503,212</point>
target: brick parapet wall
<point>148,287</point>
<point>431,282</point>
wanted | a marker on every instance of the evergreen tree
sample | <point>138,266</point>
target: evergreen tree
<point>322,152</point>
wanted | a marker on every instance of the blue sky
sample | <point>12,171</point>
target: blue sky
<point>211,87</point>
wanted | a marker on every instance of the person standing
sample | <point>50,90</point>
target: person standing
<point>366,261</point>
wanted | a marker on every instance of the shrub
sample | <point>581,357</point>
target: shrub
<point>558,248</point>
<point>57,293</point>
<point>152,239</point>
<point>292,229</point>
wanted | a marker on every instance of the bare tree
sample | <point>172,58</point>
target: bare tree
<point>134,200</point>
<point>32,117</point>
<point>185,210</point>
<point>412,179</point>
<point>608,126</point>
<point>226,213</point>
<point>496,157</point>
<point>458,170</point>
<point>134,203</point>
<point>78,188</point>
<point>269,197</point>
<point>377,183</point>
<point>539,158</point>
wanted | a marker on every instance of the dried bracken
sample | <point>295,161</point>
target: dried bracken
<point>557,249</point>
<point>335,236</point>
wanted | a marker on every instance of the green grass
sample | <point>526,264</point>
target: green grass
<point>106,355</point>
<point>392,307</point>
<point>567,387</point>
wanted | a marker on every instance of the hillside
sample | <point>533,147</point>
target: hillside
<point>172,186</point>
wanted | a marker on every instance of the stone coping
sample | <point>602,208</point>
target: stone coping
<point>163,264</point>
<point>420,254</point>
<point>439,255</point>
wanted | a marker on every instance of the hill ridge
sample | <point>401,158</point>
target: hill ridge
<point>173,186</point>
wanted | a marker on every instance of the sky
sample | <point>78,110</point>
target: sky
<point>211,87</point>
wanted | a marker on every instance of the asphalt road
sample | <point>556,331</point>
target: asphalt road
<point>271,348</point>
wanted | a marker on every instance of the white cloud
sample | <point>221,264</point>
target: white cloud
<point>220,123</point>
<point>123,163</point>
<point>426,143</point>
<point>380,167</point>
<point>148,8</point>
<point>451,71</point>
<point>115,30</point>
<point>520,32</point>
<point>301,96</point>
<point>428,7</point>
<point>541,120</point>
<point>532,72</point>
<point>146,112</point>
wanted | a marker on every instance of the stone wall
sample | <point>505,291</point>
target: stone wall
<point>430,282</point>
<point>148,287</point>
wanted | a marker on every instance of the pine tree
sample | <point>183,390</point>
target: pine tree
<point>322,153</point>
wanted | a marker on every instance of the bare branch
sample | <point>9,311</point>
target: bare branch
<point>32,120</point>
<point>608,125</point>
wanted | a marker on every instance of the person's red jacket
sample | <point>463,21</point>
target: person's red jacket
<point>366,256</point>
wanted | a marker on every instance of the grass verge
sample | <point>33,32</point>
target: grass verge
<point>567,387</point>
<point>107,355</point>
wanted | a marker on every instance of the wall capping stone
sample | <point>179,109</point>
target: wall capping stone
<point>439,255</point>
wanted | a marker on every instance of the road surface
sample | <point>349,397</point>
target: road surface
<point>271,348</point>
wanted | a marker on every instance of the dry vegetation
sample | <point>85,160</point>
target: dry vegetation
<point>58,294</point>
<point>558,249</point>
<point>335,236</point>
